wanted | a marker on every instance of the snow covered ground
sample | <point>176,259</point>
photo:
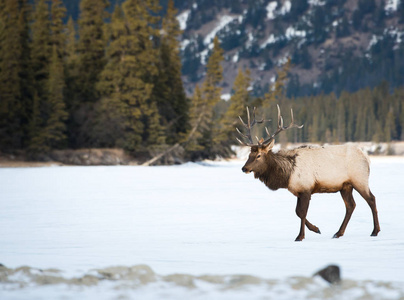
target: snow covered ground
<point>192,231</point>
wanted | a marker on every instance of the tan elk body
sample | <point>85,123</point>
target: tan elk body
<point>308,170</point>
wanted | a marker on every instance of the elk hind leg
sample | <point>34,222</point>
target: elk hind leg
<point>301,210</point>
<point>349,201</point>
<point>371,200</point>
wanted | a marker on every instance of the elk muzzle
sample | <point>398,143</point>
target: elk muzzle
<point>245,170</point>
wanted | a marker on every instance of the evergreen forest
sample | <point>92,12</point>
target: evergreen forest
<point>112,79</point>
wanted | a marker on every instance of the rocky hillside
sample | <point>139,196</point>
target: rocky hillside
<point>335,45</point>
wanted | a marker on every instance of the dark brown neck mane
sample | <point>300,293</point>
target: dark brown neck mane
<point>279,167</point>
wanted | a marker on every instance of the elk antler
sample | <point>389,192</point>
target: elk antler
<point>280,126</point>
<point>249,125</point>
<point>270,138</point>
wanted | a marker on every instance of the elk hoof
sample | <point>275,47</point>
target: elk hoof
<point>318,231</point>
<point>299,239</point>
<point>336,236</point>
<point>374,234</point>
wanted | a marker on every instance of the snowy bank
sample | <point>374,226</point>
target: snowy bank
<point>141,282</point>
<point>108,157</point>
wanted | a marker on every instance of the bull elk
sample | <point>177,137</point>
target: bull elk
<point>308,170</point>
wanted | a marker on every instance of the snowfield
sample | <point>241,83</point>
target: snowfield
<point>199,231</point>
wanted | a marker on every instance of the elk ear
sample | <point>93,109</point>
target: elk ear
<point>268,147</point>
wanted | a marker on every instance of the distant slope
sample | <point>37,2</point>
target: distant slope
<point>335,45</point>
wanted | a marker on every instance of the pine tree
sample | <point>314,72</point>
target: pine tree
<point>214,74</point>
<point>142,22</point>
<point>168,89</point>
<point>238,102</point>
<point>360,133</point>
<point>198,121</point>
<point>54,131</point>
<point>389,128</point>
<point>10,68</point>
<point>41,49</point>
<point>26,75</point>
<point>313,129</point>
<point>211,93</point>
<point>111,87</point>
<point>127,79</point>
<point>277,90</point>
<point>2,14</point>
<point>340,121</point>
<point>369,118</point>
<point>240,99</point>
<point>351,119</point>
<point>155,130</point>
<point>91,46</point>
<point>72,90</point>
<point>47,126</point>
<point>56,124</point>
<point>71,66</point>
<point>71,43</point>
<point>40,55</point>
<point>277,95</point>
<point>58,12</point>
<point>378,134</point>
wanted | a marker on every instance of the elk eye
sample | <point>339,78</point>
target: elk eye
<point>259,155</point>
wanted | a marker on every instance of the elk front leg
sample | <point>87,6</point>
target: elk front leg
<point>312,227</point>
<point>301,210</point>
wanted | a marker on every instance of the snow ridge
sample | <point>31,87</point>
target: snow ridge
<point>183,18</point>
<point>224,20</point>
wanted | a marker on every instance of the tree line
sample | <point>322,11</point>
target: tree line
<point>115,81</point>
<point>105,81</point>
<point>366,115</point>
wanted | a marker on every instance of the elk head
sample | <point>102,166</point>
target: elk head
<point>257,160</point>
